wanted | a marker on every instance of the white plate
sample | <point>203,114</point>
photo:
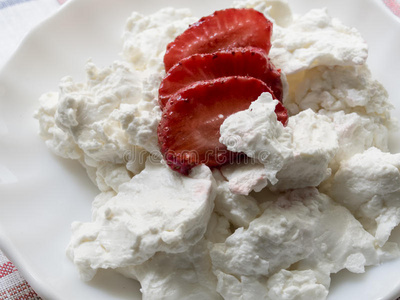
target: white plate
<point>40,194</point>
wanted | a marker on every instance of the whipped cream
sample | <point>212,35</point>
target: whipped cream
<point>311,198</point>
<point>146,37</point>
<point>169,213</point>
<point>304,227</point>
<point>378,207</point>
<point>294,156</point>
<point>316,39</point>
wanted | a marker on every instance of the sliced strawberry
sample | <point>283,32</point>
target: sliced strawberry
<point>224,29</point>
<point>281,113</point>
<point>247,61</point>
<point>188,133</point>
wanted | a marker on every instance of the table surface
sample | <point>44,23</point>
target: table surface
<point>17,18</point>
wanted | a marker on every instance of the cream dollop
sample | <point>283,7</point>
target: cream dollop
<point>157,210</point>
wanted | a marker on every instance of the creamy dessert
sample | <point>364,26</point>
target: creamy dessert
<point>256,182</point>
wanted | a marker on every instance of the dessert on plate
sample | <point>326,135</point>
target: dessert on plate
<point>241,155</point>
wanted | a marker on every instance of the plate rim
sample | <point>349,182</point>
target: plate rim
<point>6,245</point>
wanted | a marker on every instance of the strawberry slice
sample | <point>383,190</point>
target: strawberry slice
<point>281,113</point>
<point>188,133</point>
<point>247,61</point>
<point>224,29</point>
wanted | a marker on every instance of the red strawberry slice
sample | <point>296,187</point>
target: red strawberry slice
<point>247,61</point>
<point>188,133</point>
<point>281,113</point>
<point>224,29</point>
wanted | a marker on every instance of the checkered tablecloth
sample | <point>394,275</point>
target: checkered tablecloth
<point>12,284</point>
<point>394,6</point>
<point>17,17</point>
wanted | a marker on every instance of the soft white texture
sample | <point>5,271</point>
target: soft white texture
<point>316,39</point>
<point>302,229</point>
<point>356,133</point>
<point>378,206</point>
<point>85,121</point>
<point>240,210</point>
<point>146,37</point>
<point>281,236</point>
<point>56,139</point>
<point>244,177</point>
<point>158,210</point>
<point>356,103</point>
<point>314,143</point>
<point>296,285</point>
<point>257,133</point>
<point>338,88</point>
<point>294,156</point>
<point>140,120</point>
<point>241,288</point>
<point>87,111</point>
<point>184,275</point>
<point>277,11</point>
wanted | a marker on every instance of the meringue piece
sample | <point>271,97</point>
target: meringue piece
<point>368,184</point>
<point>294,156</point>
<point>157,210</point>
<point>316,39</point>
